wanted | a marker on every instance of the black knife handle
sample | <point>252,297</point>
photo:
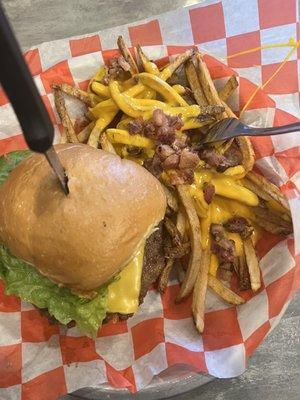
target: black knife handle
<point>21,90</point>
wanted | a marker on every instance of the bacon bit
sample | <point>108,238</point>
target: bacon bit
<point>164,151</point>
<point>175,121</point>
<point>171,162</point>
<point>221,246</point>
<point>135,126</point>
<point>105,79</point>
<point>159,118</point>
<point>123,64</point>
<point>153,165</point>
<point>239,225</point>
<point>188,159</point>
<point>181,177</point>
<point>179,143</point>
<point>209,192</point>
<point>214,159</point>
<point>118,65</point>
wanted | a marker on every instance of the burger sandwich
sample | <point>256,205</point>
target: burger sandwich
<point>87,256</point>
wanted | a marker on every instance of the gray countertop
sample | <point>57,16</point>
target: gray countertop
<point>274,369</point>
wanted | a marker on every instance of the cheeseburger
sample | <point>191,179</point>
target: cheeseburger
<point>87,256</point>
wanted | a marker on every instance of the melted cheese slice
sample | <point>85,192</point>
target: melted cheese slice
<point>123,293</point>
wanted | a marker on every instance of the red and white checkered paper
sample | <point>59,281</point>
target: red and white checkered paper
<point>39,360</point>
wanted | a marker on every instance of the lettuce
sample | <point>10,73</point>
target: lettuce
<point>23,280</point>
<point>10,161</point>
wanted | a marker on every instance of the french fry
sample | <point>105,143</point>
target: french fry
<point>271,227</point>
<point>194,83</point>
<point>168,71</point>
<point>243,142</point>
<point>195,239</point>
<point>265,213</point>
<point>179,251</point>
<point>106,145</point>
<point>74,92</point>
<point>271,221</point>
<point>195,123</point>
<point>252,264</point>
<point>100,89</point>
<point>171,199</point>
<point>164,276</point>
<point>162,87</point>
<point>247,152</point>
<point>223,291</point>
<point>173,231</point>
<point>64,116</point>
<point>147,64</point>
<point>128,56</point>
<point>199,291</point>
<point>180,272</point>
<point>124,137</point>
<point>99,75</point>
<point>181,222</point>
<point>208,86</point>
<point>99,127</point>
<point>180,89</point>
<point>243,273</point>
<point>269,188</point>
<point>84,135</point>
<point>229,88</point>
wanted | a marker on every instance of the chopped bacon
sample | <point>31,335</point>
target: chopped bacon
<point>188,159</point>
<point>181,177</point>
<point>117,66</point>
<point>215,159</point>
<point>135,126</point>
<point>221,246</point>
<point>164,151</point>
<point>209,192</point>
<point>171,162</point>
<point>239,225</point>
<point>159,118</point>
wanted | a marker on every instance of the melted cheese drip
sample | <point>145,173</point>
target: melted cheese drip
<point>220,210</point>
<point>123,294</point>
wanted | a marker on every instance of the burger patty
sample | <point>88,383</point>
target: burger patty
<point>153,264</point>
<point>154,260</point>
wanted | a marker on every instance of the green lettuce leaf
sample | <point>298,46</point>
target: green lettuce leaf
<point>10,161</point>
<point>24,281</point>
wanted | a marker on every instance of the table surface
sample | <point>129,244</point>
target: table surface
<point>273,371</point>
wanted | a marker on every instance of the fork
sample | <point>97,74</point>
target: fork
<point>229,128</point>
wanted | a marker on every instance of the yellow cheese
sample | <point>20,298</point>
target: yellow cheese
<point>227,185</point>
<point>123,293</point>
<point>223,209</point>
<point>237,172</point>
<point>213,265</point>
<point>151,68</point>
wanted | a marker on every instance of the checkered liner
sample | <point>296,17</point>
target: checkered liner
<point>40,360</point>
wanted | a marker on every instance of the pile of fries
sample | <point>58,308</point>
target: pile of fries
<point>184,88</point>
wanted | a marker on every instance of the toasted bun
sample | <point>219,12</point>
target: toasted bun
<point>83,239</point>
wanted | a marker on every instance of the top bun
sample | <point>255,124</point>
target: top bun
<point>83,239</point>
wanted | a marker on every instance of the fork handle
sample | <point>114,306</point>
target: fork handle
<point>277,130</point>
